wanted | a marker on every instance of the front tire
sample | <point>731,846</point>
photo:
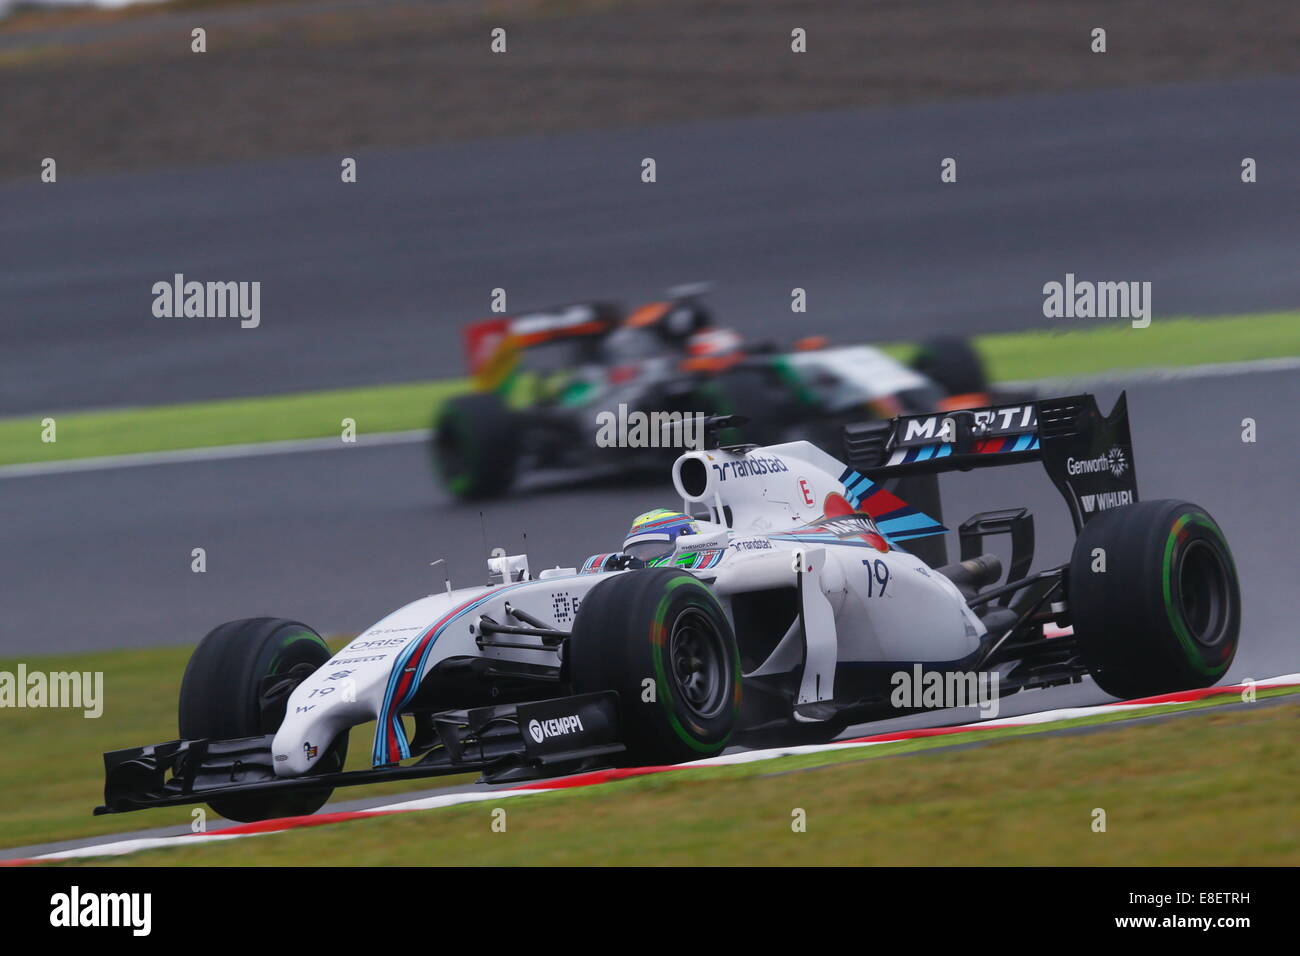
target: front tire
<point>1165,613</point>
<point>222,698</point>
<point>663,625</point>
<point>475,446</point>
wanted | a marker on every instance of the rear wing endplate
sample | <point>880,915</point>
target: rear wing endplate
<point>1087,455</point>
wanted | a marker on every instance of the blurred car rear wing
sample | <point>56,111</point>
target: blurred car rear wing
<point>492,346</point>
<point>1087,455</point>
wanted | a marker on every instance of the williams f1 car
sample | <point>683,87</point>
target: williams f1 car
<point>544,380</point>
<point>774,607</point>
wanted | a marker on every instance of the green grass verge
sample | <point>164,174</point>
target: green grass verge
<point>381,408</point>
<point>1166,342</point>
<point>1213,789</point>
<point>54,775</point>
<point>386,408</point>
<point>51,764</point>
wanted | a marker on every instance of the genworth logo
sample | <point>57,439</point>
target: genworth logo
<point>1114,461</point>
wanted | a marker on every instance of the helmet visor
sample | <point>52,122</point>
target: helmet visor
<point>649,547</point>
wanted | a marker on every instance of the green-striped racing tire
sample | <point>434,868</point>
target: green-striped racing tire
<point>475,446</point>
<point>1165,613</point>
<point>952,363</point>
<point>224,695</point>
<point>659,637</point>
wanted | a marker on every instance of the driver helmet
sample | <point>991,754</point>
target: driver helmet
<point>654,534</point>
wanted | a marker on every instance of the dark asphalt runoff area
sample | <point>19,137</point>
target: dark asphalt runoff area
<point>370,282</point>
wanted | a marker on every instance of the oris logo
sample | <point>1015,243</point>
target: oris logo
<point>541,730</point>
<point>1114,461</point>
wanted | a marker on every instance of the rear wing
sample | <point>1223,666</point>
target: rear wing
<point>1087,455</point>
<point>493,346</point>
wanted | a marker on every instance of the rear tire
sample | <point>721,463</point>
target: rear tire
<point>665,625</point>
<point>952,363</point>
<point>221,698</point>
<point>1166,612</point>
<point>475,446</point>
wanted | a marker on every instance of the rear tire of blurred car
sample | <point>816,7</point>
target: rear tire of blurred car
<point>1154,599</point>
<point>664,626</point>
<point>952,363</point>
<point>475,446</point>
<point>758,394</point>
<point>222,697</point>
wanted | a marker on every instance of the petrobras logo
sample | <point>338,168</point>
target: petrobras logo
<point>541,730</point>
<point>1114,461</point>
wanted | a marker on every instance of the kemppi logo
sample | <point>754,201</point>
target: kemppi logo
<point>541,730</point>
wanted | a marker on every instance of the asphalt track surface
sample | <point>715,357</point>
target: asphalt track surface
<point>102,559</point>
<point>369,282</point>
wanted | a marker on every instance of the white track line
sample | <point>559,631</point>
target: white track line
<point>212,453</point>
<point>1160,374</point>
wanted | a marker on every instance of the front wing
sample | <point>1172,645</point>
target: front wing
<point>506,742</point>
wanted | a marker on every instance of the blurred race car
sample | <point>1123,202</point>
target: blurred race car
<point>543,380</point>
<point>778,606</point>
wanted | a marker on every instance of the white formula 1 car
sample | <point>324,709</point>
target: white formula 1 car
<point>779,616</point>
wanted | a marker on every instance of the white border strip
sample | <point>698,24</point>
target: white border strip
<point>212,453</point>
<point>1161,373</point>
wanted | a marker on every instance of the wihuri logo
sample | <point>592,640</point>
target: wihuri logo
<point>66,689</point>
<point>1084,299</point>
<point>638,429</point>
<point>209,300</point>
<point>75,908</point>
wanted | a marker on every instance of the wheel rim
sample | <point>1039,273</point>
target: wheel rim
<point>1203,594</point>
<point>698,663</point>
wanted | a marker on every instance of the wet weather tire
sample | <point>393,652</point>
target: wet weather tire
<point>222,697</point>
<point>475,446</point>
<point>662,625</point>
<point>952,363</point>
<point>1165,613</point>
